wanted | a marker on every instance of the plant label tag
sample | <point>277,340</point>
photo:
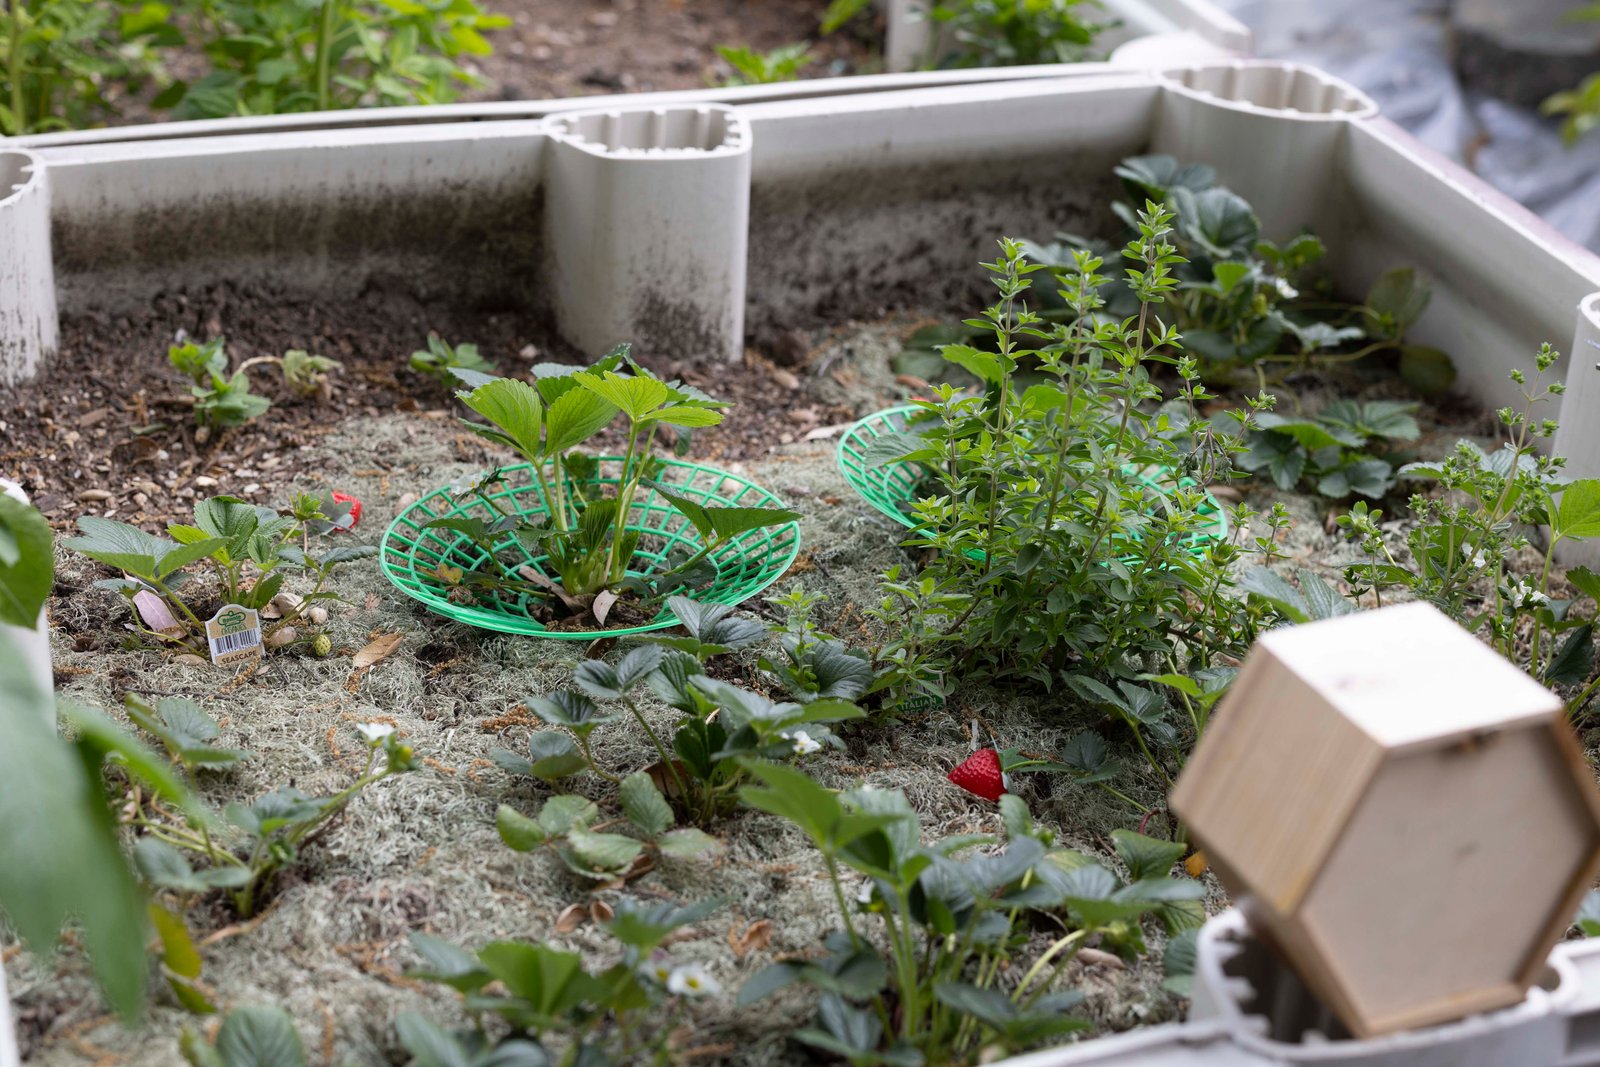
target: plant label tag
<point>919,705</point>
<point>234,634</point>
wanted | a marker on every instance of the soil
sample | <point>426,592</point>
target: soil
<point>557,48</point>
<point>420,852</point>
<point>109,430</point>
<point>569,48</point>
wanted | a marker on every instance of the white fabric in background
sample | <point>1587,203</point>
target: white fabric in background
<point>1397,51</point>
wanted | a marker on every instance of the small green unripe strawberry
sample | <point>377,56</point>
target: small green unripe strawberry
<point>321,646</point>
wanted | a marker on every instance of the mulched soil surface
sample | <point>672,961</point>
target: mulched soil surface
<point>108,429</point>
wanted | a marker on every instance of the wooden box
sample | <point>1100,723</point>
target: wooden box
<point>1404,814</point>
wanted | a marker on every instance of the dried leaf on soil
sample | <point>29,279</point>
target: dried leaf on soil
<point>754,938</point>
<point>376,650</point>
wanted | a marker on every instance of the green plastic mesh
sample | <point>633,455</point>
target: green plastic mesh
<point>411,555</point>
<point>892,487</point>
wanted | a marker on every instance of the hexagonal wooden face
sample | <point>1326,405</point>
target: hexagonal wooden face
<point>1439,897</point>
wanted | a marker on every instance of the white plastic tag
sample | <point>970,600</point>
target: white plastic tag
<point>234,634</point>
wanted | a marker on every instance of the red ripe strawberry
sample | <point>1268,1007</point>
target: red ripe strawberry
<point>980,775</point>
<point>349,521</point>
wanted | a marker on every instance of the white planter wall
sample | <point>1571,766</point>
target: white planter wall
<point>8,1039</point>
<point>850,197</point>
<point>27,295</point>
<point>636,189</point>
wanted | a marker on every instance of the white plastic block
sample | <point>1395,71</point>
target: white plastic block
<point>8,1039</point>
<point>647,213</point>
<point>27,276</point>
<point>1274,1019</point>
<point>1578,439</point>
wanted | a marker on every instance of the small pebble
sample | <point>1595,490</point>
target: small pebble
<point>281,637</point>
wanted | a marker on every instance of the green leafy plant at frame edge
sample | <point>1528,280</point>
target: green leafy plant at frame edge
<point>67,64</point>
<point>27,562</point>
<point>1578,107</point>
<point>1463,541</point>
<point>63,861</point>
<point>584,538</point>
<point>274,58</point>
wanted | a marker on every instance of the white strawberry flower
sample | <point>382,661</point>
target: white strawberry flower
<point>692,980</point>
<point>374,732</point>
<point>804,745</point>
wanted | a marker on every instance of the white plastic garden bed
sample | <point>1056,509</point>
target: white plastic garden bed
<point>850,195</point>
<point>691,221</point>
<point>1249,1012</point>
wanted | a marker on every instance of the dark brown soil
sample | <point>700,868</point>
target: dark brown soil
<point>109,428</point>
<point>560,48</point>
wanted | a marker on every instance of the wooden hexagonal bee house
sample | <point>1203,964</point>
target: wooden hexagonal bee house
<point>1402,813</point>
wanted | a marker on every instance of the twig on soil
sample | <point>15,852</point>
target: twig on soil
<point>245,927</point>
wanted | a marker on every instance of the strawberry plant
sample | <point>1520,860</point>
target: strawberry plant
<point>221,398</point>
<point>249,550</point>
<point>307,374</point>
<point>720,724</point>
<point>534,1004</point>
<point>1337,452</point>
<point>274,58</point>
<point>954,919</point>
<point>248,1037</point>
<point>241,849</point>
<point>571,826</point>
<point>584,541</point>
<point>1009,33</point>
<point>441,360</point>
